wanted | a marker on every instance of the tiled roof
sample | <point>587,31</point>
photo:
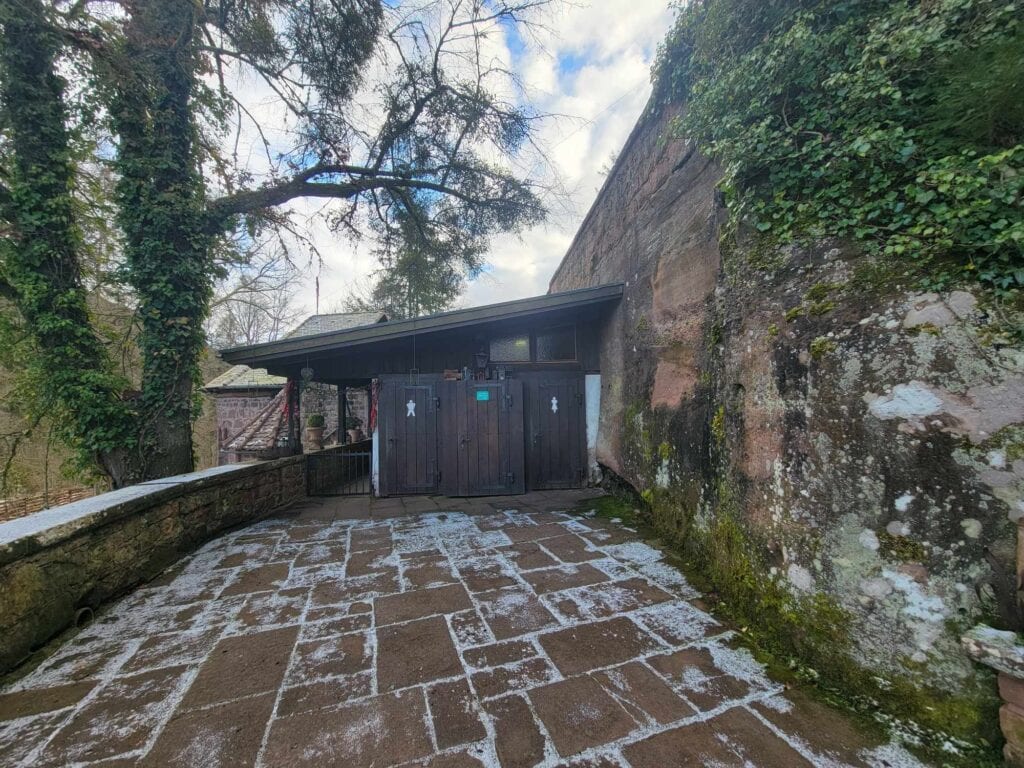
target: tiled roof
<point>244,377</point>
<point>268,430</point>
<point>339,321</point>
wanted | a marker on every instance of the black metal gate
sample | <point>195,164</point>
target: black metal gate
<point>341,471</point>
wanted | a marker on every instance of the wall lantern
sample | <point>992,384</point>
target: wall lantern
<point>306,374</point>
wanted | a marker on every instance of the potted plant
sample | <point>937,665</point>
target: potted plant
<point>315,431</point>
<point>353,426</point>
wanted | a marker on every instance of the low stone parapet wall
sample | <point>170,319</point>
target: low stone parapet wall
<point>58,561</point>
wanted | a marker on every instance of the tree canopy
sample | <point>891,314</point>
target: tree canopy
<point>130,136</point>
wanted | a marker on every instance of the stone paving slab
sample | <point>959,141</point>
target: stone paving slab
<point>494,633</point>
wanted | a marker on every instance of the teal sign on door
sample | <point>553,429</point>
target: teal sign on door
<point>483,394</point>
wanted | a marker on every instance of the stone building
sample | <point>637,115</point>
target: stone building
<point>250,403</point>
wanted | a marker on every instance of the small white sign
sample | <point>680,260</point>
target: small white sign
<point>554,405</point>
<point>410,408</point>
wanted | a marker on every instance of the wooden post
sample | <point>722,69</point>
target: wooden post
<point>295,415</point>
<point>342,414</point>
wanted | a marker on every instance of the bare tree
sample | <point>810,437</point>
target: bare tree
<point>254,306</point>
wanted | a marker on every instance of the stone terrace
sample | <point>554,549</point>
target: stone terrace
<point>442,633</point>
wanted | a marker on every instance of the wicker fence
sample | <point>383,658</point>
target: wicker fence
<point>26,505</point>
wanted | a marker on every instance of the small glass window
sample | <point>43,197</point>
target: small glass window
<point>511,349</point>
<point>556,344</point>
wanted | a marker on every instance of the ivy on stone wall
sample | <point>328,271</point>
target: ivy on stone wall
<point>898,124</point>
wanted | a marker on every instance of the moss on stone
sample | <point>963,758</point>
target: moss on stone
<point>822,346</point>
<point>1009,439</point>
<point>929,328</point>
<point>809,638</point>
<point>901,548</point>
<point>773,331</point>
<point>793,313</point>
<point>820,291</point>
<point>819,308</point>
<point>615,506</point>
<point>718,425</point>
<point>764,255</point>
<point>714,335</point>
<point>874,276</point>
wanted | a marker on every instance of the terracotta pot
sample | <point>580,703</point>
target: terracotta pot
<point>314,438</point>
<point>355,435</point>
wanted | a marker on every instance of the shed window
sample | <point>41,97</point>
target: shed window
<point>556,344</point>
<point>511,349</point>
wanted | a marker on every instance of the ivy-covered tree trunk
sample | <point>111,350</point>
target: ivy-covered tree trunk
<point>161,212</point>
<point>40,269</point>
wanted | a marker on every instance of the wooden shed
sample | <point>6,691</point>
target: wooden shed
<point>489,400</point>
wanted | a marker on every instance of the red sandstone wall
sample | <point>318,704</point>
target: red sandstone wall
<point>654,227</point>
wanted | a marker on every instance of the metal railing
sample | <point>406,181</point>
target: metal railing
<point>340,471</point>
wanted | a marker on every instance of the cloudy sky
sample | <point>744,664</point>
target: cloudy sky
<point>592,64</point>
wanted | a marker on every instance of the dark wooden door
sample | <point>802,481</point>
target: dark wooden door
<point>408,415</point>
<point>555,431</point>
<point>482,438</point>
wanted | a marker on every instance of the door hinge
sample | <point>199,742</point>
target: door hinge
<point>437,403</point>
<point>510,478</point>
<point>579,398</point>
<point>508,401</point>
<point>439,476</point>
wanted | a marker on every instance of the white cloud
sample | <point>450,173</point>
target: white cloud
<point>591,63</point>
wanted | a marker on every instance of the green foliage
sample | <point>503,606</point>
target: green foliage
<point>68,375</point>
<point>898,124</point>
<point>422,276</point>
<point>160,199</point>
<point>316,420</point>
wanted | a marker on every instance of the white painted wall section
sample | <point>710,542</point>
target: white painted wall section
<point>375,464</point>
<point>592,389</point>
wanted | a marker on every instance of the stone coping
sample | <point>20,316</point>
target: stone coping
<point>32,533</point>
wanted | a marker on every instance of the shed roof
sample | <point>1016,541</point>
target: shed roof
<point>337,321</point>
<point>242,377</point>
<point>273,352</point>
